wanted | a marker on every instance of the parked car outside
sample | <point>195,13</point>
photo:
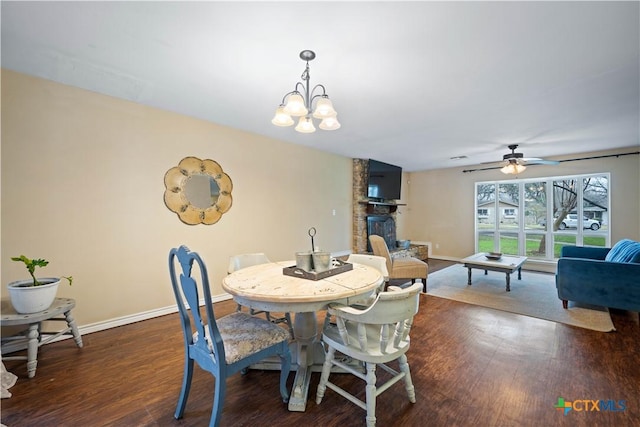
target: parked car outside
<point>571,221</point>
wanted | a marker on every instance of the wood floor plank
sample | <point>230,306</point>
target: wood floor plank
<point>470,366</point>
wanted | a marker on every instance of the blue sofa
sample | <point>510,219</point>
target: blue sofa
<point>607,277</point>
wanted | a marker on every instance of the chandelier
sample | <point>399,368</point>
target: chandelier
<point>300,102</point>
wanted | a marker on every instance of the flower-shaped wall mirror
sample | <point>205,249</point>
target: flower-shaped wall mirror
<point>198,191</point>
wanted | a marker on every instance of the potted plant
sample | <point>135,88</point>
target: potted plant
<point>34,295</point>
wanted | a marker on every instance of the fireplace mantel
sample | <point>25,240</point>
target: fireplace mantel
<point>373,207</point>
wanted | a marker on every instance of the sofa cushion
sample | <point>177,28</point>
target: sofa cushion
<point>625,250</point>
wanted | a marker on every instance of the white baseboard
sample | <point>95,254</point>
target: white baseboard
<point>445,258</point>
<point>540,265</point>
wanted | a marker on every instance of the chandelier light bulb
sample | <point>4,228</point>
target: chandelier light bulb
<point>282,118</point>
<point>305,125</point>
<point>295,105</point>
<point>329,123</point>
<point>324,108</point>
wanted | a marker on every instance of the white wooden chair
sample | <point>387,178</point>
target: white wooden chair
<point>374,261</point>
<point>376,336</point>
<point>238,262</point>
<point>377,262</point>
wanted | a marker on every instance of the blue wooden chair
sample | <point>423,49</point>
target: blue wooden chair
<point>238,262</point>
<point>231,343</point>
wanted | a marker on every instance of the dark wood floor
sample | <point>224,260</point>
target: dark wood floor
<point>470,366</point>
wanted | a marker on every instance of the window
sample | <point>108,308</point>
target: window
<point>536,217</point>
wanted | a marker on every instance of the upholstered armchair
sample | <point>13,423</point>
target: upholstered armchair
<point>400,268</point>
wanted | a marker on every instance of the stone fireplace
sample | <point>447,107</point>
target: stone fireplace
<point>363,209</point>
<point>377,217</point>
<point>384,226</point>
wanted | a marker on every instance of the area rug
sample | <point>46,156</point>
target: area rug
<point>535,296</point>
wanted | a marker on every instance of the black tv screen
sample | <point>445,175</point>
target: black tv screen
<point>384,180</point>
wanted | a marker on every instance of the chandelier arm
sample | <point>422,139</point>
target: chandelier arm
<point>324,92</point>
<point>317,96</point>
<point>295,90</point>
<point>303,87</point>
<point>284,98</point>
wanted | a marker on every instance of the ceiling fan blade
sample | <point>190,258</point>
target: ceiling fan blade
<point>519,159</point>
<point>534,161</point>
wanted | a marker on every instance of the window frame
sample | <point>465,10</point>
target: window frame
<point>522,229</point>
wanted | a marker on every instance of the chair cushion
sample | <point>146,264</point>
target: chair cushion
<point>244,335</point>
<point>625,250</point>
<point>408,268</point>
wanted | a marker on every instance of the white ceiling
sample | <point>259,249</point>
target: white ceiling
<point>414,83</point>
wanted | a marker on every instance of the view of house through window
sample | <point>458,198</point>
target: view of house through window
<point>536,217</point>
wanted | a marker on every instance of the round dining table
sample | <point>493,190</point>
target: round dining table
<point>266,287</point>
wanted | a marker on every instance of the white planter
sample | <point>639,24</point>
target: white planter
<point>32,299</point>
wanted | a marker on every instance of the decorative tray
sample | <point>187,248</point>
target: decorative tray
<point>294,271</point>
<point>494,256</point>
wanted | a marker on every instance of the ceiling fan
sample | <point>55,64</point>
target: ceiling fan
<point>514,163</point>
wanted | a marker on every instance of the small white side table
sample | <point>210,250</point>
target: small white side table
<point>32,338</point>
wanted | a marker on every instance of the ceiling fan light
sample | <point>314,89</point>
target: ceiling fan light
<point>329,123</point>
<point>324,108</point>
<point>282,118</point>
<point>295,105</point>
<point>305,125</point>
<point>513,168</point>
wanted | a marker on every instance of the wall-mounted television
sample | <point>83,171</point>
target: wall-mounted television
<point>384,181</point>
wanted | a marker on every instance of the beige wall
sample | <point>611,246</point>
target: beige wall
<point>441,202</point>
<point>82,186</point>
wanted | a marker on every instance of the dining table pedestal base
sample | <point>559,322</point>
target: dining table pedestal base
<point>309,353</point>
<point>307,356</point>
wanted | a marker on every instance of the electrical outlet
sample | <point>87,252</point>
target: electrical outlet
<point>437,245</point>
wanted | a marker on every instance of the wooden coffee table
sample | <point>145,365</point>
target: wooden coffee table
<point>506,264</point>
